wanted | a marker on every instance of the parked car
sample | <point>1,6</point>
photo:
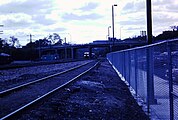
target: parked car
<point>174,74</point>
<point>161,57</point>
<point>50,57</point>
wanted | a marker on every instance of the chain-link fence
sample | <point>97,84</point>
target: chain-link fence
<point>152,71</point>
<point>174,75</point>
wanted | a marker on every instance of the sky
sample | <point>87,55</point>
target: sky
<point>83,21</point>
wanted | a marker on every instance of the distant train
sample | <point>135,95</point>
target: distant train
<point>5,58</point>
<point>87,55</point>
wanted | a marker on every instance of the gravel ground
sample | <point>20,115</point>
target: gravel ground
<point>99,95</point>
<point>12,77</point>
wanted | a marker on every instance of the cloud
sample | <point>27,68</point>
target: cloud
<point>161,2</point>
<point>89,6</point>
<point>28,7</point>
<point>55,30</point>
<point>128,7</point>
<point>132,23</point>
<point>165,14</point>
<point>135,20</point>
<point>133,6</point>
<point>41,19</point>
<point>160,24</point>
<point>72,16</point>
<point>172,8</point>
<point>84,19</point>
<point>164,6</point>
<point>19,20</point>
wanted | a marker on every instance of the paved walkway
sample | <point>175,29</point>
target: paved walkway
<point>159,111</point>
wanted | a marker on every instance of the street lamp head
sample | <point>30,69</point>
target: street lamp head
<point>109,27</point>
<point>115,4</point>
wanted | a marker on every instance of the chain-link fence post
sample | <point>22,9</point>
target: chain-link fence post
<point>171,99</point>
<point>150,81</point>
<point>136,71</point>
<point>129,66</point>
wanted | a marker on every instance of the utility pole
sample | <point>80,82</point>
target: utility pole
<point>113,21</point>
<point>150,64</point>
<point>65,40</point>
<point>149,22</point>
<point>30,37</point>
<point>1,32</point>
<point>31,50</point>
<point>109,32</point>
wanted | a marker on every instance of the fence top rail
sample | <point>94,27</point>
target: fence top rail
<point>147,46</point>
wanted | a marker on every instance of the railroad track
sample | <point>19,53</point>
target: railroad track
<point>31,64</point>
<point>3,92</point>
<point>15,100</point>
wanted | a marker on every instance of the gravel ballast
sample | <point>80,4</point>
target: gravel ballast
<point>13,77</point>
<point>99,95</point>
<point>17,72</point>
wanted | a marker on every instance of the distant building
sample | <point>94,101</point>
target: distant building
<point>105,41</point>
<point>101,42</point>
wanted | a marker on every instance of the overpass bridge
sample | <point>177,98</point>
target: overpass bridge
<point>77,51</point>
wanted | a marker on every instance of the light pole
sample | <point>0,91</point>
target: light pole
<point>31,46</point>
<point>113,21</point>
<point>120,33</point>
<point>109,32</point>
<point>70,37</point>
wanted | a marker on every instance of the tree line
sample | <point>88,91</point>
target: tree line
<point>28,52</point>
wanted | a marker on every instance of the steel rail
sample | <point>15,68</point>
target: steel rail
<point>45,95</point>
<point>38,80</point>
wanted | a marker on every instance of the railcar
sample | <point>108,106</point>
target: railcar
<point>87,55</point>
<point>5,58</point>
